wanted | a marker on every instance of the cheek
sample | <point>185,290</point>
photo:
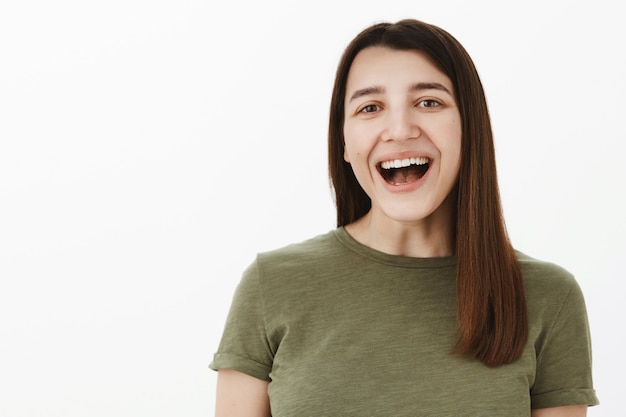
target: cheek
<point>346,150</point>
<point>350,144</point>
<point>346,141</point>
<point>351,155</point>
<point>451,149</point>
<point>455,135</point>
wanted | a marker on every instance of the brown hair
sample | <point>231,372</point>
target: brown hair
<point>491,305</point>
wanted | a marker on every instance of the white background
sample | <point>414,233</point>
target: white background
<point>148,149</point>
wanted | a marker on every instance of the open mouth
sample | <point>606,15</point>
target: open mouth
<point>403,171</point>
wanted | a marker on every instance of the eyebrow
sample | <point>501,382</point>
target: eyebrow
<point>415,87</point>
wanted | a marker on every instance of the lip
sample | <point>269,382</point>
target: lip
<point>403,188</point>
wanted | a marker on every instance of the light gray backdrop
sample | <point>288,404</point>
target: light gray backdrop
<point>148,149</point>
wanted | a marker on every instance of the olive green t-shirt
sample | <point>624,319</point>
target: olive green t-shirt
<point>340,329</point>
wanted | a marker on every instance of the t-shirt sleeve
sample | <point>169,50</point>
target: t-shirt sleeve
<point>244,345</point>
<point>563,373</point>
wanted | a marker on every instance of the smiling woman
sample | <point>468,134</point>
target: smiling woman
<point>416,304</point>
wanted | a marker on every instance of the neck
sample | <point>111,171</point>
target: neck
<point>426,238</point>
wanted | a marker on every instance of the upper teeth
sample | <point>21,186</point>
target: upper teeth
<point>403,163</point>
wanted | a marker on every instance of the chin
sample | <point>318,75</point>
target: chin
<point>407,215</point>
<point>418,213</point>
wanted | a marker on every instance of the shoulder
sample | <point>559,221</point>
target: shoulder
<point>544,274</point>
<point>292,276</point>
<point>310,251</point>
<point>549,287</point>
<point>314,256</point>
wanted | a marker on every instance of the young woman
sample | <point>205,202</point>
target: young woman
<point>417,304</point>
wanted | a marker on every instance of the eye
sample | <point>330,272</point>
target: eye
<point>370,108</point>
<point>429,103</point>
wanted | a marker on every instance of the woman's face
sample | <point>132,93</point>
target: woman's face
<point>402,133</point>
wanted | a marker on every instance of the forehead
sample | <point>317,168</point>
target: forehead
<point>383,66</point>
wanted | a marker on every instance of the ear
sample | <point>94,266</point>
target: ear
<point>345,153</point>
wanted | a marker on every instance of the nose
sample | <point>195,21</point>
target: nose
<point>400,126</point>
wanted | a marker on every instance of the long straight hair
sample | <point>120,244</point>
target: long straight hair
<point>491,306</point>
